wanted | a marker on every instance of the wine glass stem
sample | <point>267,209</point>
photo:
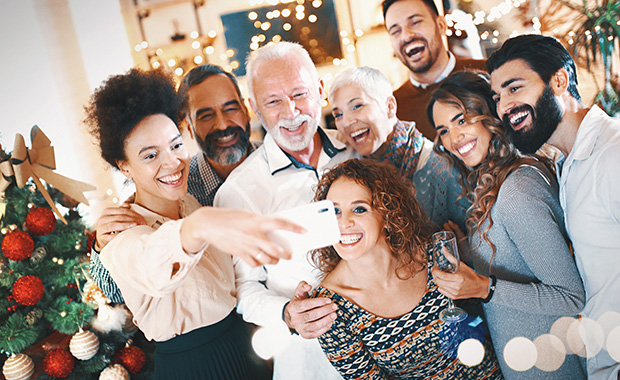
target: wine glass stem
<point>450,304</point>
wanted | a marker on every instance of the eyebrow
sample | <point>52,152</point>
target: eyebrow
<point>457,116</point>
<point>155,146</point>
<point>407,19</point>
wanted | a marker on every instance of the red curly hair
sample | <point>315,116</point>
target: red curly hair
<point>406,228</point>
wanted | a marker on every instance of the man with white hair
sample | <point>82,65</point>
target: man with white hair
<point>285,93</point>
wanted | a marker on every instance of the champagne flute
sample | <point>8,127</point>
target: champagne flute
<point>446,259</point>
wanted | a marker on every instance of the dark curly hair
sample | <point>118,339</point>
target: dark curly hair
<point>122,101</point>
<point>406,228</point>
<point>471,93</point>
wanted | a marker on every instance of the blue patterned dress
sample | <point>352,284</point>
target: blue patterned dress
<point>417,345</point>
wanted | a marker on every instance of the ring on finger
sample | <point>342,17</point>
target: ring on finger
<point>259,256</point>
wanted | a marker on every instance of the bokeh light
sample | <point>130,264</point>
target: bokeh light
<point>520,354</point>
<point>551,352</point>
<point>470,352</point>
<point>270,340</point>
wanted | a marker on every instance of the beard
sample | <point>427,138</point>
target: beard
<point>546,116</point>
<point>296,143</point>
<point>420,67</point>
<point>226,155</point>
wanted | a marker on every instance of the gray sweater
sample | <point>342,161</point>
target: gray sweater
<point>537,280</point>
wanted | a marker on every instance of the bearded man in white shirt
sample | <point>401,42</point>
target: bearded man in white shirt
<point>286,94</point>
<point>534,82</point>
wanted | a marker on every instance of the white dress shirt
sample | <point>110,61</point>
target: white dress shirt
<point>266,182</point>
<point>590,198</point>
<point>141,259</point>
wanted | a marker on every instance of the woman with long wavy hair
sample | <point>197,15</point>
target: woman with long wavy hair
<point>388,324</point>
<point>524,270</point>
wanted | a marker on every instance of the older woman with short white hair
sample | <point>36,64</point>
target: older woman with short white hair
<point>364,110</point>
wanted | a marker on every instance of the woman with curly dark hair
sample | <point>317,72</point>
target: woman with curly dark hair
<point>388,324</point>
<point>524,269</point>
<point>175,272</point>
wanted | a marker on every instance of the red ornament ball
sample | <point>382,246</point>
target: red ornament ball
<point>58,363</point>
<point>17,245</point>
<point>28,290</point>
<point>41,221</point>
<point>132,358</point>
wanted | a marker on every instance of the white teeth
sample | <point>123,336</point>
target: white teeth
<point>171,178</point>
<point>518,117</point>
<point>467,147</point>
<point>226,139</point>
<point>412,46</point>
<point>350,239</point>
<point>358,132</point>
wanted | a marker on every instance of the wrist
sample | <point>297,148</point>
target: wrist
<point>490,289</point>
<point>286,320</point>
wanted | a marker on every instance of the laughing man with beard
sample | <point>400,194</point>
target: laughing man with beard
<point>416,30</point>
<point>535,88</point>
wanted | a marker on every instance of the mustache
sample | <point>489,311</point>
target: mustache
<point>414,39</point>
<point>226,132</point>
<point>297,120</point>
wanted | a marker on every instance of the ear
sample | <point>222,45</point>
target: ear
<point>559,82</point>
<point>190,127</point>
<point>391,106</point>
<point>124,168</point>
<point>322,92</point>
<point>253,106</point>
<point>442,25</point>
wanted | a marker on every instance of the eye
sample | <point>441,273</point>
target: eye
<point>394,31</point>
<point>150,156</point>
<point>414,22</point>
<point>496,98</point>
<point>460,121</point>
<point>357,107</point>
<point>231,109</point>
<point>337,115</point>
<point>273,103</point>
<point>177,145</point>
<point>300,95</point>
<point>360,210</point>
<point>337,211</point>
<point>514,88</point>
<point>442,131</point>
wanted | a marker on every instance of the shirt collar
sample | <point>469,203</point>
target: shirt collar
<point>279,160</point>
<point>587,134</point>
<point>444,74</point>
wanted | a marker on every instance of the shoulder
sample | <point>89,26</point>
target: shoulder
<point>470,63</point>
<point>527,186</point>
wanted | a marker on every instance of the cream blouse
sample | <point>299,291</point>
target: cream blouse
<point>141,259</point>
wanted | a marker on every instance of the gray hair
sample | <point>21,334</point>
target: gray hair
<point>272,51</point>
<point>371,81</point>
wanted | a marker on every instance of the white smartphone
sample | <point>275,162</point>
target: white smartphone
<point>318,218</point>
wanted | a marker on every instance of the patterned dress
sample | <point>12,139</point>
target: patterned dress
<point>417,345</point>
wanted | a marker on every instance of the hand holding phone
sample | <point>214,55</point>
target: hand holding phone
<point>318,218</point>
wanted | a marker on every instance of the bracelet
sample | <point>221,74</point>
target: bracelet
<point>492,284</point>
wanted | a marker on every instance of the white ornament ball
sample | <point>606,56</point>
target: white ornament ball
<point>114,372</point>
<point>84,345</point>
<point>18,367</point>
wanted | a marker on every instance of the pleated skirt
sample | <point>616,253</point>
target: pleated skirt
<point>222,351</point>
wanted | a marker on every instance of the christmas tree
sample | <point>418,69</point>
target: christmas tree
<point>49,327</point>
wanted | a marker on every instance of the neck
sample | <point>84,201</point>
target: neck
<point>309,155</point>
<point>430,76</point>
<point>223,170</point>
<point>371,271</point>
<point>380,152</point>
<point>564,136</point>
<point>169,208</point>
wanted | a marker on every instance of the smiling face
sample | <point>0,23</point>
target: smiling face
<point>469,142</point>
<point>416,34</point>
<point>526,105</point>
<point>287,98</point>
<point>361,227</point>
<point>363,122</point>
<point>157,162</point>
<point>219,120</point>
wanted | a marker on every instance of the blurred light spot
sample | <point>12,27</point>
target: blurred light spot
<point>194,34</point>
<point>613,344</point>
<point>520,354</point>
<point>252,16</point>
<point>551,352</point>
<point>270,340</point>
<point>470,352</point>
<point>198,59</point>
<point>592,334</point>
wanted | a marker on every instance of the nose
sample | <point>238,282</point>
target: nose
<point>408,33</point>
<point>504,106</point>
<point>170,158</point>
<point>289,108</point>
<point>347,120</point>
<point>220,121</point>
<point>344,221</point>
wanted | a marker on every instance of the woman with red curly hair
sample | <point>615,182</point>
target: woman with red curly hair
<point>388,324</point>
